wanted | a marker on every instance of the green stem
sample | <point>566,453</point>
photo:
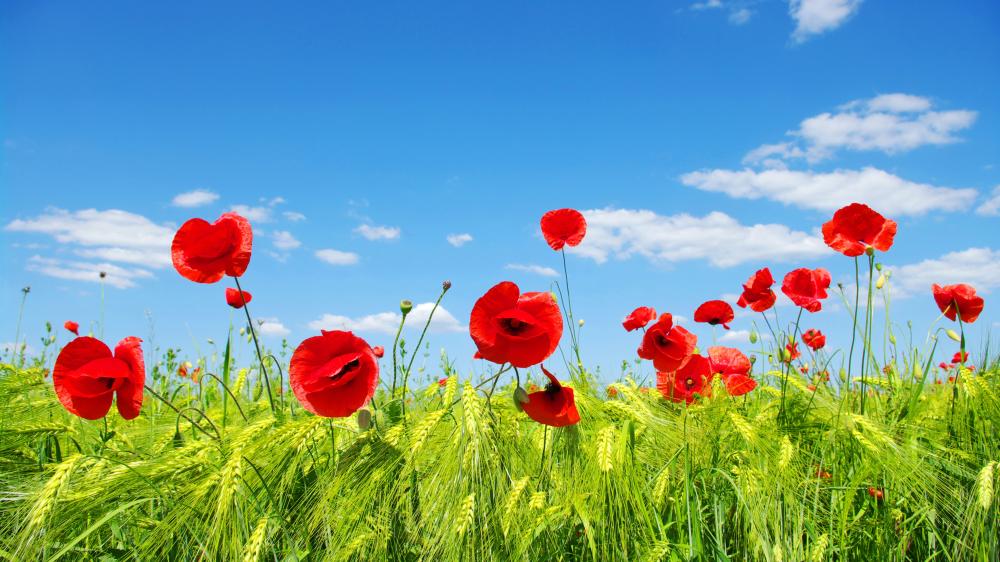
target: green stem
<point>20,315</point>
<point>256,344</point>
<point>420,340</point>
<point>854,320</point>
<point>868,328</point>
<point>569,306</point>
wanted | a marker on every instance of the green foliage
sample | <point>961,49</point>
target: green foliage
<point>462,475</point>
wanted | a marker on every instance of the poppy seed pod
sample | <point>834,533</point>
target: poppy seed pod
<point>405,306</point>
<point>445,285</point>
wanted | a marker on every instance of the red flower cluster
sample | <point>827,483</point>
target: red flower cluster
<point>692,379</point>
<point>958,301</point>
<point>87,377</point>
<point>205,252</point>
<point>510,327</point>
<point>333,374</point>
<point>668,346</point>
<point>757,292</point>
<point>734,369</point>
<point>554,405</point>
<point>714,313</point>
<point>814,339</point>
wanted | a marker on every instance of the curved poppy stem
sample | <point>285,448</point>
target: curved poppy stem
<point>281,377</point>
<point>395,345</point>
<point>180,413</point>
<point>569,306</point>
<point>420,340</point>
<point>256,344</point>
<point>230,392</point>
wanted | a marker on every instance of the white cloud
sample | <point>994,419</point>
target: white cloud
<point>979,267</point>
<point>109,236</point>
<point>707,5</point>
<point>388,322</point>
<point>252,214</point>
<point>530,268</point>
<point>274,201</point>
<point>459,240</point>
<point>284,240</point>
<point>337,257</point>
<point>271,327</point>
<point>813,17</point>
<point>294,216</point>
<point>740,16</point>
<point>991,206</point>
<point>195,198</point>
<point>739,336</point>
<point>716,237</point>
<point>885,192</point>
<point>891,123</point>
<point>378,232</point>
<point>119,277</point>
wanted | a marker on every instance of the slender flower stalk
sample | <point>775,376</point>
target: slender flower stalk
<point>869,328</point>
<point>406,374</point>
<point>20,315</point>
<point>256,344</point>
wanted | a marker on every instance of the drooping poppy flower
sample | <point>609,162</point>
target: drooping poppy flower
<point>554,405</point>
<point>667,345</point>
<point>856,228</point>
<point>792,352</point>
<point>714,313</point>
<point>234,299</point>
<point>510,327</point>
<point>333,374</point>
<point>563,227</point>
<point>814,339</point>
<point>757,292</point>
<point>960,299</point>
<point>960,357</point>
<point>691,379</point>
<point>87,376</point>
<point>639,318</point>
<point>733,367</point>
<point>205,252</point>
<point>379,351</point>
<point>195,374</point>
<point>807,287</point>
<point>72,327</point>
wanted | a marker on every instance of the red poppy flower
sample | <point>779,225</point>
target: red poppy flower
<point>204,252</point>
<point>856,228</point>
<point>667,345</point>
<point>333,374</point>
<point>951,378</point>
<point>792,352</point>
<point>820,473</point>
<point>960,357</point>
<point>811,387</point>
<point>87,377</point>
<point>714,313</point>
<point>757,293</point>
<point>693,378</point>
<point>814,339</point>
<point>195,374</point>
<point>806,287</point>
<point>234,300</point>
<point>510,327</point>
<point>612,392</point>
<point>803,369</point>
<point>379,351</point>
<point>72,327</point>
<point>733,367</point>
<point>182,370</point>
<point>638,318</point>
<point>943,365</point>
<point>563,227</point>
<point>959,298</point>
<point>443,382</point>
<point>876,493</point>
<point>554,405</point>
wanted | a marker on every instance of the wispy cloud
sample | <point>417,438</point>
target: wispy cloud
<point>284,240</point>
<point>293,216</point>
<point>979,267</point>
<point>372,232</point>
<point>530,268</point>
<point>253,214</point>
<point>813,17</point>
<point>459,240</point>
<point>388,322</point>
<point>271,327</point>
<point>716,237</point>
<point>337,257</point>
<point>195,198</point>
<point>991,206</point>
<point>116,276</point>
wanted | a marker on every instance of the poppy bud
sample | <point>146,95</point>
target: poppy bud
<point>26,290</point>
<point>954,335</point>
<point>880,282</point>
<point>753,336</point>
<point>520,398</point>
<point>446,285</point>
<point>869,251</point>
<point>243,331</point>
<point>892,339</point>
<point>364,419</point>
<point>753,359</point>
<point>580,322</point>
<point>878,266</point>
<point>103,274</point>
<point>405,306</point>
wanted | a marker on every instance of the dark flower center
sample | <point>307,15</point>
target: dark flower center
<point>689,382</point>
<point>514,326</point>
<point>347,368</point>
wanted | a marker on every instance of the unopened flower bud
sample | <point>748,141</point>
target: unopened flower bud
<point>954,335</point>
<point>753,359</point>
<point>405,306</point>
<point>892,339</point>
<point>364,419</point>
<point>243,331</point>
<point>26,289</point>
<point>580,322</point>
<point>520,398</point>
<point>104,274</point>
<point>880,282</point>
<point>870,251</point>
<point>878,266</point>
<point>445,285</point>
<point>753,336</point>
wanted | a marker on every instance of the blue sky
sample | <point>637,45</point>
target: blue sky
<point>703,140</point>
